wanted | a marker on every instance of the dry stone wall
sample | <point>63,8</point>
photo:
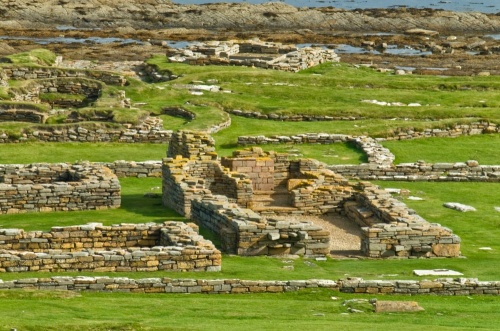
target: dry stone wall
<point>441,286</point>
<point>28,73</point>
<point>91,89</point>
<point>22,115</point>
<point>244,232</point>
<point>185,180</point>
<point>192,145</point>
<point>259,170</point>
<point>143,169</point>
<point>470,171</point>
<point>267,55</point>
<point>164,285</point>
<point>390,228</point>
<point>380,160</point>
<point>317,191</point>
<point>42,187</point>
<point>171,246</point>
<point>149,131</point>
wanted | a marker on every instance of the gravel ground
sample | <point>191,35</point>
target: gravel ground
<point>345,235</point>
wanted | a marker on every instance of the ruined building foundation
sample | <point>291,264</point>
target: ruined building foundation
<point>221,195</point>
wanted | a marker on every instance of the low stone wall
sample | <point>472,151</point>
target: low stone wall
<point>380,160</point>
<point>442,286</point>
<point>11,114</point>
<point>376,153</point>
<point>470,171</point>
<point>27,73</point>
<point>134,169</point>
<point>91,89</point>
<point>164,285</point>
<point>43,187</point>
<point>244,232</point>
<point>391,229</point>
<point>149,131</point>
<point>289,118</point>
<point>172,246</point>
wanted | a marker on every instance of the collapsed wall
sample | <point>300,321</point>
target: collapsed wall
<point>253,53</point>
<point>45,187</point>
<point>171,246</point>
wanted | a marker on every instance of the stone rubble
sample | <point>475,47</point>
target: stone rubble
<point>253,53</point>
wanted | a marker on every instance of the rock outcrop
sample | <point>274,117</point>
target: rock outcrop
<point>163,14</point>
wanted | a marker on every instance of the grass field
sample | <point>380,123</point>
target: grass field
<point>327,90</point>
<point>306,310</point>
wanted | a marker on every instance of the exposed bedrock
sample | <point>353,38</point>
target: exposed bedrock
<point>163,14</point>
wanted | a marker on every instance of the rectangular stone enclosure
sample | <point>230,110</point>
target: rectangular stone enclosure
<point>171,246</point>
<point>44,187</point>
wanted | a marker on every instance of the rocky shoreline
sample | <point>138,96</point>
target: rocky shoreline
<point>162,14</point>
<point>459,42</point>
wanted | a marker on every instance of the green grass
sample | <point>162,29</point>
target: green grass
<point>72,152</point>
<point>338,89</point>
<point>308,310</point>
<point>482,148</point>
<point>135,208</point>
<point>36,56</point>
<point>338,153</point>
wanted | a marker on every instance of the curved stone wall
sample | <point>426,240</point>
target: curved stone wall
<point>380,160</point>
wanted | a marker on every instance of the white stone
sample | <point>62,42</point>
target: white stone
<point>459,206</point>
<point>437,272</point>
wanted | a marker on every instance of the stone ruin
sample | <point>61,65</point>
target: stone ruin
<point>253,53</point>
<point>171,246</point>
<point>226,196</point>
<point>45,187</point>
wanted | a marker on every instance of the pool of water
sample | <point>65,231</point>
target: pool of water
<point>70,40</point>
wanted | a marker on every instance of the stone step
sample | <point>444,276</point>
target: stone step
<point>274,209</point>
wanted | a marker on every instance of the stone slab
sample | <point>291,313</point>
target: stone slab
<point>437,272</point>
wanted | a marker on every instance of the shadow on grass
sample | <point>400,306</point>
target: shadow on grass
<point>150,207</point>
<point>363,158</point>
